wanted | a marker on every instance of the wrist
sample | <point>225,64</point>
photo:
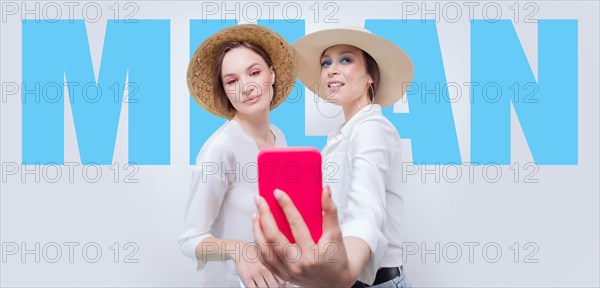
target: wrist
<point>234,250</point>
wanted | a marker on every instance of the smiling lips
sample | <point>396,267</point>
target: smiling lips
<point>334,85</point>
<point>252,100</point>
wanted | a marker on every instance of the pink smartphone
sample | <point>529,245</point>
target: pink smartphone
<point>296,171</point>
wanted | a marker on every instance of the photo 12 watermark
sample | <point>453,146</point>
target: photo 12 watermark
<point>474,252</point>
<point>54,11</point>
<point>53,92</point>
<point>289,11</point>
<point>74,252</point>
<point>70,172</point>
<point>456,11</point>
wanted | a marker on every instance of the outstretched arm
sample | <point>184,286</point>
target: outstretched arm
<point>322,264</point>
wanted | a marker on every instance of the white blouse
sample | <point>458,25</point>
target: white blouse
<point>362,164</point>
<point>224,182</point>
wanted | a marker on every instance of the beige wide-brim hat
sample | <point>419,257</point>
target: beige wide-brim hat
<point>200,68</point>
<point>395,66</point>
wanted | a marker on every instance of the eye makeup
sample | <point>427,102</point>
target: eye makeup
<point>345,57</point>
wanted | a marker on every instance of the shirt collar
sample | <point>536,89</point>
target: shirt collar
<point>345,128</point>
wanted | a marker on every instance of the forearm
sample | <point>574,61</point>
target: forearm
<point>218,249</point>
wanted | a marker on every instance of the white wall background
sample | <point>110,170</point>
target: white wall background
<point>559,215</point>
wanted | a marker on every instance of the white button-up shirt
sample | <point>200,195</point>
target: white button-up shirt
<point>362,165</point>
<point>221,204</point>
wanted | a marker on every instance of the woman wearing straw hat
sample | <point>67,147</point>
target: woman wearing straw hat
<point>239,73</point>
<point>362,73</point>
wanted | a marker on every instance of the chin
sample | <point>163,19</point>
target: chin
<point>341,98</point>
<point>333,100</point>
<point>341,101</point>
<point>256,108</point>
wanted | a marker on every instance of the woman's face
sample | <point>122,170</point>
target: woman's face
<point>247,80</point>
<point>344,74</point>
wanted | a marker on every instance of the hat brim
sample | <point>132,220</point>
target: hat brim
<point>200,68</point>
<point>395,66</point>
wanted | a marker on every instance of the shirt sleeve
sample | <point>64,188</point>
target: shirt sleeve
<point>369,154</point>
<point>207,191</point>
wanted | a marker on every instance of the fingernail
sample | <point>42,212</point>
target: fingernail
<point>254,216</point>
<point>277,194</point>
<point>257,200</point>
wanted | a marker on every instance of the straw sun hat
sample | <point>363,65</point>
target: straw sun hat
<point>395,66</point>
<point>200,69</point>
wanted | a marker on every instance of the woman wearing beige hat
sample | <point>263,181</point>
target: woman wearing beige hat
<point>239,73</point>
<point>362,73</point>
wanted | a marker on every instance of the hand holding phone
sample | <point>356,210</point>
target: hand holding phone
<point>297,172</point>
